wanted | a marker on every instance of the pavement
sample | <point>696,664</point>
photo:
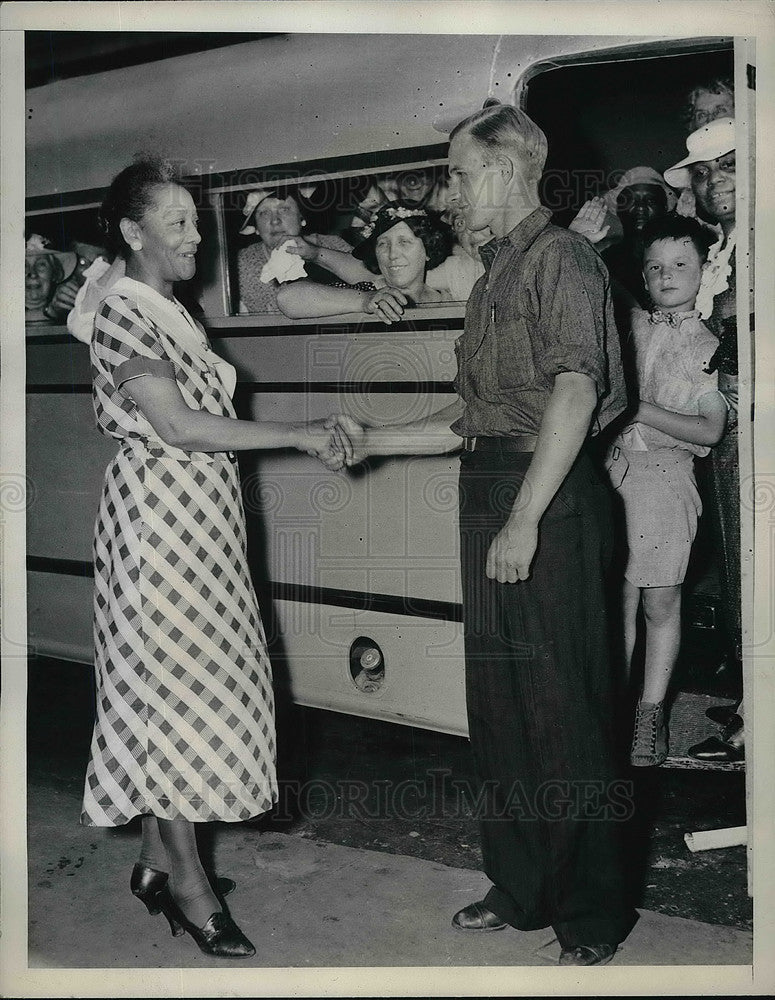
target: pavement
<point>327,918</point>
<point>304,903</point>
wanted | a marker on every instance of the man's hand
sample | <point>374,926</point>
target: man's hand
<point>512,550</point>
<point>302,248</point>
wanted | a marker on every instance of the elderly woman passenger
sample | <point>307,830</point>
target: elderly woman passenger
<point>277,218</point>
<point>44,269</point>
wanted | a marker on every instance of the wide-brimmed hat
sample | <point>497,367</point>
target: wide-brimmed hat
<point>252,202</point>
<point>639,175</point>
<point>39,246</point>
<point>707,143</point>
<point>299,194</point>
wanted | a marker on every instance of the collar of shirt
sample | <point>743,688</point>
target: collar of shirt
<point>520,237</point>
<point>673,319</point>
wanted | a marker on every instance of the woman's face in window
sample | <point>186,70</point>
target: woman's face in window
<point>713,184</point>
<point>401,256</point>
<point>707,107</point>
<point>38,281</point>
<point>277,219</point>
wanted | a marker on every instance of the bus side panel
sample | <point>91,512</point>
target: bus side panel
<point>59,616</point>
<point>423,684</point>
<point>389,528</point>
<point>66,460</point>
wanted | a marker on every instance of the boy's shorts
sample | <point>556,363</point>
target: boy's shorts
<point>661,509</point>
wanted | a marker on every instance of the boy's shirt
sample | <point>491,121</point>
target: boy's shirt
<point>671,352</point>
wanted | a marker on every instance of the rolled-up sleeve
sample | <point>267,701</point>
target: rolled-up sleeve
<point>574,302</point>
<point>125,346</point>
<point>137,366</point>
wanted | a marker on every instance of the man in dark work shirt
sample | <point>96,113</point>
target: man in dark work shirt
<point>539,370</point>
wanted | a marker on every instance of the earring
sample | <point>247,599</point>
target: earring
<point>303,223</point>
<point>136,245</point>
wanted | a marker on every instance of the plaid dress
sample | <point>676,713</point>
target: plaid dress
<point>185,714</point>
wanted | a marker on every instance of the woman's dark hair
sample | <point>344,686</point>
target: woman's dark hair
<point>437,237</point>
<point>130,195</point>
<point>678,227</point>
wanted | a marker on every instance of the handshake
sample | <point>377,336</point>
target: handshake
<point>338,441</point>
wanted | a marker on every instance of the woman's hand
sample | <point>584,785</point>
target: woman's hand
<point>63,299</point>
<point>728,386</point>
<point>321,441</point>
<point>590,220</point>
<point>387,303</point>
<point>301,248</point>
<point>351,437</point>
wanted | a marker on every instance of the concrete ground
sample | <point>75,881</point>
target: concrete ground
<point>321,894</point>
<point>304,903</point>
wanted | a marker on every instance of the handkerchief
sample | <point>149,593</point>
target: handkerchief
<point>282,266</point>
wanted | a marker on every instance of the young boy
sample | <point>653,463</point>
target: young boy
<point>681,414</point>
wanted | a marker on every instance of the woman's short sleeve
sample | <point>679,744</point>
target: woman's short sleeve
<point>125,346</point>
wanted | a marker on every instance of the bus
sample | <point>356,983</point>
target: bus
<point>356,571</point>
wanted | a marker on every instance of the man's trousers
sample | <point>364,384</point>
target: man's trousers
<point>552,805</point>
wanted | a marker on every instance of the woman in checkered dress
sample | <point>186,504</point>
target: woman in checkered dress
<point>184,732</point>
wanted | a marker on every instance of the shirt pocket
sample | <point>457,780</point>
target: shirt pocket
<point>468,345</point>
<point>514,365</point>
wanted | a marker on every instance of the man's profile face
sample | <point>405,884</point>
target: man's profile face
<point>476,184</point>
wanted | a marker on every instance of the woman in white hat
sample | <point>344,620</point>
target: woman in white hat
<point>708,100</point>
<point>275,215</point>
<point>44,269</point>
<point>709,168</point>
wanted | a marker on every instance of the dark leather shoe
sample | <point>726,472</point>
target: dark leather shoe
<point>588,954</point>
<point>716,751</point>
<point>147,883</point>
<point>476,917</point>
<point>220,936</point>
<point>720,714</point>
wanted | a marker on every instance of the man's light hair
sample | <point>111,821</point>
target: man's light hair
<point>502,127</point>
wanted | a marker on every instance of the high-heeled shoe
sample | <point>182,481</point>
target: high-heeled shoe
<point>219,936</point>
<point>146,883</point>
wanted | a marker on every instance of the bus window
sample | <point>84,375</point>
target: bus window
<point>77,231</point>
<point>328,210</point>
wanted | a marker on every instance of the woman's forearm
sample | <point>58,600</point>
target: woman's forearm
<point>201,431</point>
<point>307,299</point>
<point>161,403</point>
<point>343,265</point>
